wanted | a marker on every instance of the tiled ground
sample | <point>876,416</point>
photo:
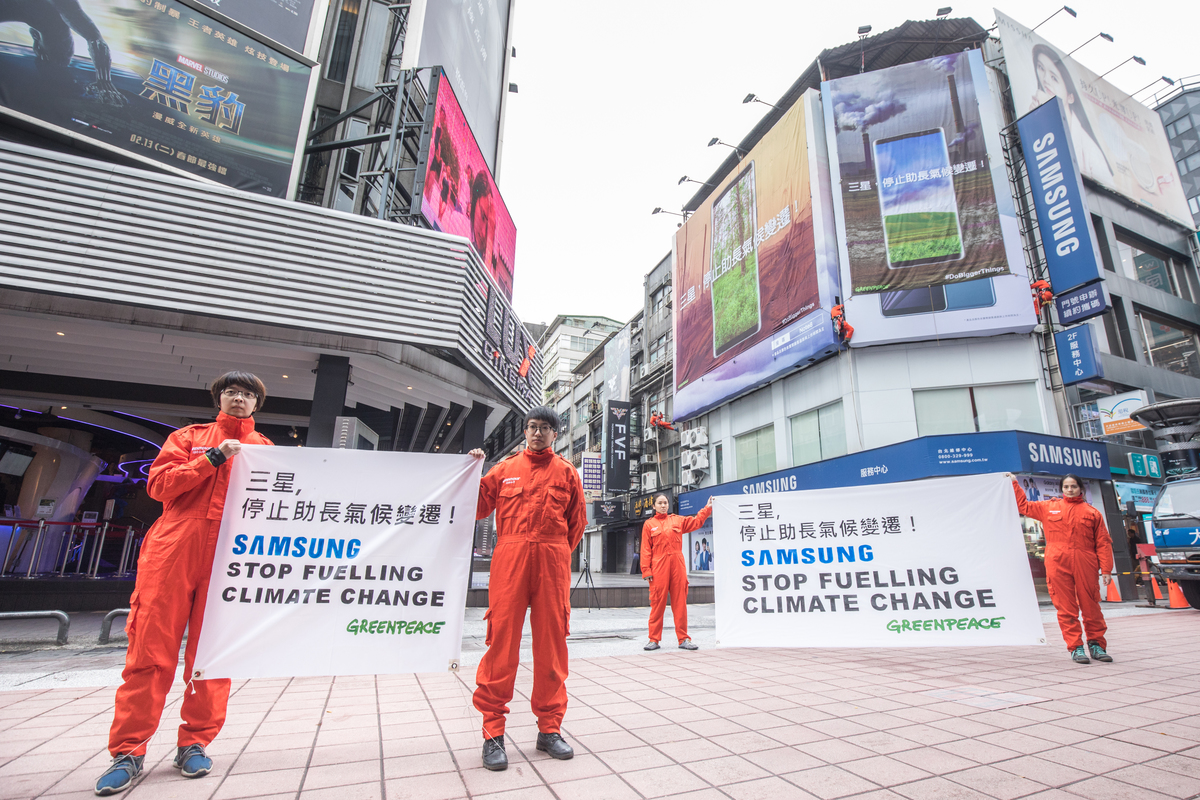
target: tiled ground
<point>737,724</point>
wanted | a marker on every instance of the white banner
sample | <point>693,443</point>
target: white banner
<point>933,563</point>
<point>340,562</point>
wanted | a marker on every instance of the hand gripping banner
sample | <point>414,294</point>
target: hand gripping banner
<point>339,562</point>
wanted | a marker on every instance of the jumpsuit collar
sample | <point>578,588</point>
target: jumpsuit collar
<point>660,516</point>
<point>233,427</point>
<point>1076,499</point>
<point>539,457</point>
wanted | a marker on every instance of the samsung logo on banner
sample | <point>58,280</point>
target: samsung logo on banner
<point>1064,456</point>
<point>787,483</point>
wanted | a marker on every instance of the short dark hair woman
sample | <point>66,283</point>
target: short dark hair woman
<point>664,566</point>
<point>1078,549</point>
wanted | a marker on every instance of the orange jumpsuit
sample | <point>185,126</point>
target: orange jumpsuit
<point>662,559</point>
<point>1078,551</point>
<point>172,588</point>
<point>540,517</point>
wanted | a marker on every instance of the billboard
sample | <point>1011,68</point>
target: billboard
<point>162,83</point>
<point>1115,410</point>
<point>285,21</point>
<point>928,236</point>
<point>616,365</point>
<point>756,268</point>
<point>1119,143</point>
<point>470,40</point>
<point>616,446</point>
<point>1072,257</point>
<point>1077,354</point>
<point>456,192</point>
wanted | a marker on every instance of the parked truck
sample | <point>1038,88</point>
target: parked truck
<point>1176,528</point>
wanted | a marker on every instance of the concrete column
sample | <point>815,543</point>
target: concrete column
<point>329,399</point>
<point>473,426</point>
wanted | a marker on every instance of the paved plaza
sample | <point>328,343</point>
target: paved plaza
<point>936,724</point>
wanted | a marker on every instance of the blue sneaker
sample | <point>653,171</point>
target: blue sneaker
<point>119,776</point>
<point>192,762</point>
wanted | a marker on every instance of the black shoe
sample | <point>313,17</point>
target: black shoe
<point>1098,653</point>
<point>555,745</point>
<point>1079,655</point>
<point>651,646</point>
<point>688,644</point>
<point>494,757</point>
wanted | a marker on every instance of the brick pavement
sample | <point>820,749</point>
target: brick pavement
<point>921,724</point>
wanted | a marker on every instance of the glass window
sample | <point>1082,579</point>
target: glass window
<point>343,41</point>
<point>659,348</point>
<point>719,458</point>
<point>944,411</point>
<point>1183,125</point>
<point>1149,269</point>
<point>818,434</point>
<point>755,452</point>
<point>579,445</point>
<point>369,65</point>
<point>1007,407</point>
<point>1193,162</point>
<point>1194,205</point>
<point>1169,345</point>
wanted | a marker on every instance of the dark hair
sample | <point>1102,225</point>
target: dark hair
<point>1076,478</point>
<point>237,377</point>
<point>1076,107</point>
<point>543,414</point>
<point>663,496</point>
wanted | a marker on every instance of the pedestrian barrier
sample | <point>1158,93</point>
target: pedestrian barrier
<point>1176,594</point>
<point>106,626</point>
<point>86,562</point>
<point>64,622</point>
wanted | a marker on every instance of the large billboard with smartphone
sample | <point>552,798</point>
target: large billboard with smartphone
<point>756,268</point>
<point>455,191</point>
<point>158,81</point>
<point>1119,143</point>
<point>470,39</point>
<point>928,235</point>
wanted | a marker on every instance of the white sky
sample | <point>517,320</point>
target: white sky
<point>619,99</point>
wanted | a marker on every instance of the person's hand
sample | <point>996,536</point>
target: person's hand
<point>1010,476</point>
<point>1106,579</point>
<point>230,448</point>
<point>709,503</point>
<point>649,578</point>
<point>477,453</point>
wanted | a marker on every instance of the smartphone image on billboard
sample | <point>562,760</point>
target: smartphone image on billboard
<point>930,299</point>
<point>917,200</point>
<point>736,307</point>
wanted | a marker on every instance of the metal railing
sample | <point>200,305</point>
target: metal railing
<point>87,563</point>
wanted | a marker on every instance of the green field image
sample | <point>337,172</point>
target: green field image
<point>922,235</point>
<point>735,303</point>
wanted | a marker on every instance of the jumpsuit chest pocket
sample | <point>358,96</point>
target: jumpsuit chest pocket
<point>557,497</point>
<point>508,502</point>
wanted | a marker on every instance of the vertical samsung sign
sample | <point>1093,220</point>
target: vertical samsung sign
<point>1067,237</point>
<point>616,456</point>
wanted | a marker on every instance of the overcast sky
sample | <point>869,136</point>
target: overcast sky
<point>618,100</point>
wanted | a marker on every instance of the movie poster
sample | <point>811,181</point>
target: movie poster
<point>459,195</point>
<point>159,80</point>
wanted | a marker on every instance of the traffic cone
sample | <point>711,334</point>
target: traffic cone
<point>1113,594</point>
<point>1154,582</point>
<point>1177,598</point>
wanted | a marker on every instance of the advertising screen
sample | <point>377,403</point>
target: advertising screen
<point>469,39</point>
<point>929,239</point>
<point>285,21</point>
<point>756,268</point>
<point>458,194</point>
<point>1119,143</point>
<point>162,82</point>
<point>616,366</point>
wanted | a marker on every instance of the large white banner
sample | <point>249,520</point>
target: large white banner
<point>340,562</point>
<point>931,563</point>
<point>1119,143</point>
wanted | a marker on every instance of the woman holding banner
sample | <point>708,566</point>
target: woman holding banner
<point>189,477</point>
<point>664,566</point>
<point>1078,548</point>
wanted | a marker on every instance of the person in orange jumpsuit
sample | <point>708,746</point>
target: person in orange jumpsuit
<point>189,477</point>
<point>1078,548</point>
<point>664,566</point>
<point>540,517</point>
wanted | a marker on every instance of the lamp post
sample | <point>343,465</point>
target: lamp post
<point>1103,36</point>
<point>1067,9</point>
<point>1138,59</point>
<point>753,98</point>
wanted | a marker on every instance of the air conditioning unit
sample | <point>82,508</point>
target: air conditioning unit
<point>689,478</point>
<point>685,459</point>
<point>650,434</point>
<point>699,437</point>
<point>650,458</point>
<point>649,482</point>
<point>700,459</point>
<point>685,438</point>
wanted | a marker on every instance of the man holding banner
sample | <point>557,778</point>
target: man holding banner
<point>189,476</point>
<point>540,517</point>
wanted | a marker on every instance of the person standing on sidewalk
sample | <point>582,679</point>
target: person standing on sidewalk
<point>540,517</point>
<point>664,566</point>
<point>189,478</point>
<point>1078,548</point>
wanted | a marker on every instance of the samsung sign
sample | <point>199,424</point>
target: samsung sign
<point>1066,226</point>
<point>927,457</point>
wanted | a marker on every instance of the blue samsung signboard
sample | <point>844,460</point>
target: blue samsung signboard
<point>1066,226</point>
<point>1083,303</point>
<point>1077,354</point>
<point>927,457</point>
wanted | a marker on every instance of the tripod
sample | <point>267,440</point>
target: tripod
<point>585,577</point>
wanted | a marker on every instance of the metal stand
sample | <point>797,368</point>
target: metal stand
<point>585,577</point>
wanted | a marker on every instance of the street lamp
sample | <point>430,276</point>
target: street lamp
<point>686,179</point>
<point>658,210</point>
<point>753,98</point>
<point>1067,9</point>
<point>1164,78</point>
<point>1103,36</point>
<point>716,140</point>
<point>944,11</point>
<point>1138,59</point>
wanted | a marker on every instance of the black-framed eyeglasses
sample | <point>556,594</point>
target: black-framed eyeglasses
<point>233,394</point>
<point>546,429</point>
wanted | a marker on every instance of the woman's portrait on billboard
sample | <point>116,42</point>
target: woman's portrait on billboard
<point>1053,79</point>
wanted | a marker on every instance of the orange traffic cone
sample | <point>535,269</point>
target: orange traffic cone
<point>1113,594</point>
<point>1154,582</point>
<point>1177,598</point>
